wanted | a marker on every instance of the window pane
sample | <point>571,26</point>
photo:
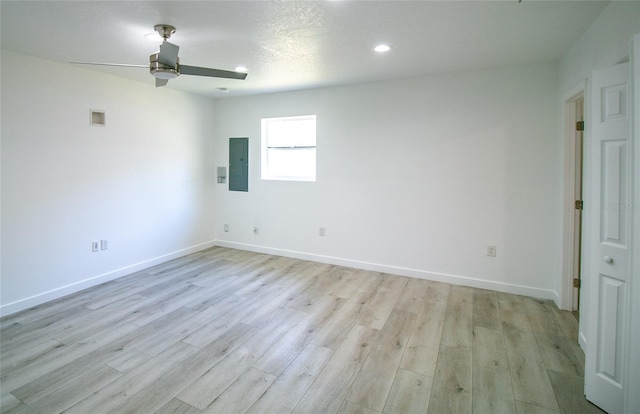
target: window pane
<point>299,163</point>
<point>297,132</point>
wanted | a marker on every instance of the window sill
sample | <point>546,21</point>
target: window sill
<point>303,179</point>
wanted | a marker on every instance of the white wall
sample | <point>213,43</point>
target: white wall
<point>415,176</point>
<point>144,182</point>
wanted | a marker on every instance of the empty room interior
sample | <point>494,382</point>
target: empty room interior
<point>342,206</point>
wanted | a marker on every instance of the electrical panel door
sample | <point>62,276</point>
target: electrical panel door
<point>239,164</point>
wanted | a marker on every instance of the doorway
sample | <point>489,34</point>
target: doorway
<point>578,140</point>
<point>574,138</point>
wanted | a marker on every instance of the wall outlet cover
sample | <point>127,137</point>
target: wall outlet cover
<point>491,250</point>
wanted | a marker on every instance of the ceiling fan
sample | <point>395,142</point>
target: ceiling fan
<point>165,64</point>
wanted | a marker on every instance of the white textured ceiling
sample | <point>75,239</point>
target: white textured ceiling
<point>299,44</point>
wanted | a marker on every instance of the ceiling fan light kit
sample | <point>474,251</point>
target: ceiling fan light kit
<point>161,71</point>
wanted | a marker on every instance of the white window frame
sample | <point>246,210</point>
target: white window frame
<point>268,151</point>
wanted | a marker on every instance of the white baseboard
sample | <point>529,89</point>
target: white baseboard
<point>419,274</point>
<point>582,341</point>
<point>556,299</point>
<point>41,298</point>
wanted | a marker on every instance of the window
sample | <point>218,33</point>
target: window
<point>289,148</point>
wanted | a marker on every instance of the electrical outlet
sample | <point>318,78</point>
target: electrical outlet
<point>94,246</point>
<point>255,230</point>
<point>226,228</point>
<point>321,231</point>
<point>104,244</point>
<point>491,250</point>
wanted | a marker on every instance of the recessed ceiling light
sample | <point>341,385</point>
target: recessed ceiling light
<point>382,48</point>
<point>154,37</point>
<point>241,69</point>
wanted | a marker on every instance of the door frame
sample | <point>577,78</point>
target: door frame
<point>632,399</point>
<point>568,239</point>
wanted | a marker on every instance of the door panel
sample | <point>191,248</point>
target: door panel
<point>609,244</point>
<point>614,154</point>
<point>611,300</point>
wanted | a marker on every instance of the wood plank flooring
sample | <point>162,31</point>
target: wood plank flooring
<point>229,331</point>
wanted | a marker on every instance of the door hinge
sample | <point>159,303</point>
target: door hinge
<point>580,126</point>
<point>579,205</point>
<point>576,283</point>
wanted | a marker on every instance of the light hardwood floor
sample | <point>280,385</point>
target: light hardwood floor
<point>228,331</point>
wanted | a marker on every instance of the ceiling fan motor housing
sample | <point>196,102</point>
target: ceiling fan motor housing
<point>161,71</point>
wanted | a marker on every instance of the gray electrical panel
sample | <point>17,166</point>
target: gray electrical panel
<point>238,164</point>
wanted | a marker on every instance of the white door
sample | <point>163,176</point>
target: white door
<point>610,221</point>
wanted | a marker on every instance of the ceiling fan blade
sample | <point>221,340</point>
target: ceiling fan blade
<point>215,73</point>
<point>125,65</point>
<point>168,54</point>
<point>161,82</point>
